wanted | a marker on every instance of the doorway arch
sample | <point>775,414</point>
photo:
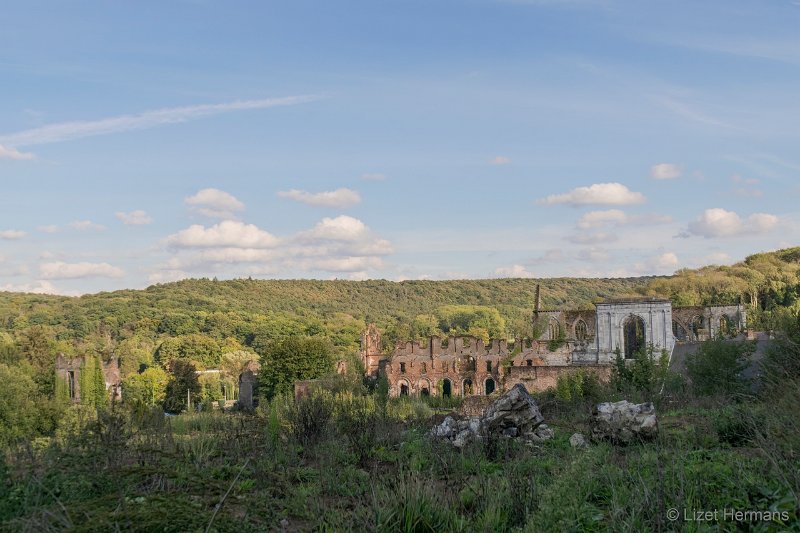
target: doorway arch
<point>634,336</point>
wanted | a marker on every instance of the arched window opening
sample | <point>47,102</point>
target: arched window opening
<point>634,333</point>
<point>553,330</point>
<point>698,324</point>
<point>489,387</point>
<point>679,332</point>
<point>447,388</point>
<point>466,388</point>
<point>581,331</point>
<point>726,328</point>
<point>403,389</point>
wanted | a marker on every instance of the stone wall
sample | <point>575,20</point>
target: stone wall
<point>541,378</point>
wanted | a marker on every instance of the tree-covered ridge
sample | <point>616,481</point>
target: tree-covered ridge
<point>765,281</point>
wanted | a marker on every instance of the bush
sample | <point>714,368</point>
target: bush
<point>309,417</point>
<point>717,367</point>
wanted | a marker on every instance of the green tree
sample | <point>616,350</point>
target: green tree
<point>293,359</point>
<point>718,365</point>
<point>201,349</point>
<point>147,389</point>
<point>19,410</point>
<point>93,383</point>
<point>183,385</point>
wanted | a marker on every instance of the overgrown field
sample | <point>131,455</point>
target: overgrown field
<point>346,459</point>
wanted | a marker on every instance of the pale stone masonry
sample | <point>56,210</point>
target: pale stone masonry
<point>569,341</point>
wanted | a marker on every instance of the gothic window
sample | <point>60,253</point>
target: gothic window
<point>553,330</point>
<point>424,368</point>
<point>402,368</point>
<point>489,387</point>
<point>488,366</point>
<point>581,331</point>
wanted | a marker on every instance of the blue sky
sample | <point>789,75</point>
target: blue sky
<point>151,141</point>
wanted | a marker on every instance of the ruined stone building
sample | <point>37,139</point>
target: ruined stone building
<point>569,340</point>
<point>69,370</point>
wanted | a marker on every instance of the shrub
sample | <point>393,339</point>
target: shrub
<point>717,367</point>
<point>309,416</point>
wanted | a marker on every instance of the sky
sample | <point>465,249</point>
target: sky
<point>146,142</point>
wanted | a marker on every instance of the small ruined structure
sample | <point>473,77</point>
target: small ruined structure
<point>569,341</point>
<point>248,386</point>
<point>69,370</point>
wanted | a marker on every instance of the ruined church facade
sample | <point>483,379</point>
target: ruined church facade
<point>569,341</point>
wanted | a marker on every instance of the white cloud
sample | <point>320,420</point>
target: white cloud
<point>340,198</point>
<point>666,261</point>
<point>373,176</point>
<point>7,152</point>
<point>665,171</point>
<point>165,276</point>
<point>215,203</point>
<point>66,131</point>
<point>341,244</point>
<point>514,271</point>
<point>61,270</point>
<point>593,219</point>
<point>599,193</point>
<point>341,228</point>
<point>37,287</point>
<point>593,238</point>
<point>716,258</point>
<point>500,160</point>
<point>86,225</point>
<point>12,234</point>
<point>717,222</point>
<point>617,217</point>
<point>49,228</point>
<point>594,255</point>
<point>134,218</point>
<point>228,233</point>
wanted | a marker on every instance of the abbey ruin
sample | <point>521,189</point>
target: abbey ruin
<point>569,341</point>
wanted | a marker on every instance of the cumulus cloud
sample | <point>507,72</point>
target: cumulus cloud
<point>500,160</point>
<point>61,270</point>
<point>340,198</point>
<point>594,255</point>
<point>228,233</point>
<point>340,244</point>
<point>373,176</point>
<point>593,219</point>
<point>165,276</point>
<point>665,171</point>
<point>134,218</point>
<point>86,225</point>
<point>49,228</point>
<point>718,222</point>
<point>666,261</point>
<point>617,217</point>
<point>37,287</point>
<point>11,234</point>
<point>716,258</point>
<point>215,203</point>
<point>7,152</point>
<point>597,194</point>
<point>514,271</point>
<point>593,238</point>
